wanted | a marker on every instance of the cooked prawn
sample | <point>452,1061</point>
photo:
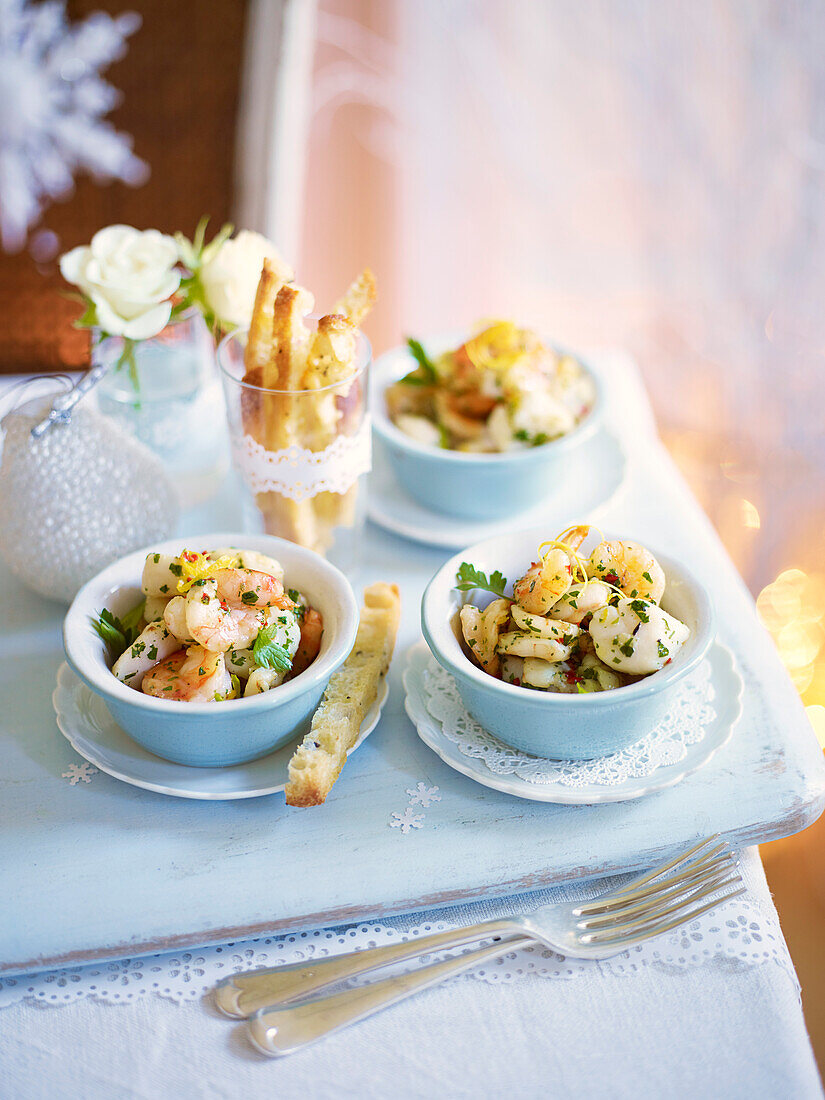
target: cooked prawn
<point>581,600</point>
<point>629,567</point>
<point>312,629</point>
<point>516,644</point>
<point>548,579</point>
<point>226,610</point>
<point>195,675</point>
<point>481,630</point>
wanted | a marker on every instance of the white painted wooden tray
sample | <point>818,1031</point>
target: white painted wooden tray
<point>100,869</point>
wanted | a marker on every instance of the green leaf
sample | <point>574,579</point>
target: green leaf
<point>267,653</point>
<point>117,633</point>
<point>641,609</point>
<point>470,578</point>
<point>89,317</point>
<point>425,373</point>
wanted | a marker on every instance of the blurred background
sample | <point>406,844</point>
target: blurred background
<point>643,175</point>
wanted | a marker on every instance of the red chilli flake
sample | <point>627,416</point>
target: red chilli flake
<point>612,578</point>
<point>667,662</point>
<point>516,681</point>
<point>572,677</point>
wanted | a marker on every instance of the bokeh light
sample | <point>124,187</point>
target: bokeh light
<point>793,609</point>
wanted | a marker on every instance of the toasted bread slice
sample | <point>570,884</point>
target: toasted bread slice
<point>259,340</point>
<point>358,299</point>
<point>318,760</point>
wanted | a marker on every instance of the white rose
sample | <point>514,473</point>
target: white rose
<point>130,276</point>
<point>229,277</point>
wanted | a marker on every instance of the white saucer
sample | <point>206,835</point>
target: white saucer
<point>725,685</point>
<point>595,473</point>
<point>87,725</point>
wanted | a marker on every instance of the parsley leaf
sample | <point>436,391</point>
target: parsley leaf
<point>425,373</point>
<point>119,634</point>
<point>470,578</point>
<point>640,607</point>
<point>267,653</point>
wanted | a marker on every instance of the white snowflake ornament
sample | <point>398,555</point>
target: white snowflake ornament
<point>79,773</point>
<point>406,821</point>
<point>77,498</point>
<point>52,103</point>
<point>422,795</point>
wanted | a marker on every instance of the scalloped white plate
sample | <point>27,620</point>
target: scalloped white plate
<point>89,728</point>
<point>596,473</point>
<point>727,701</point>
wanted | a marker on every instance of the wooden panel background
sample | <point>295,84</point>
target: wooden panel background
<point>180,81</point>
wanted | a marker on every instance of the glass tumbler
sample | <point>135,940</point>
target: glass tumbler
<point>169,397</point>
<point>302,455</point>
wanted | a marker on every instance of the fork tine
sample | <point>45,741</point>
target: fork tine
<point>631,939</point>
<point>655,913</point>
<point>655,916</point>
<point>653,903</point>
<point>608,902</point>
<point>655,872</point>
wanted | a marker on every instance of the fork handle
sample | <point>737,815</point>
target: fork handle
<point>242,994</point>
<point>279,1031</point>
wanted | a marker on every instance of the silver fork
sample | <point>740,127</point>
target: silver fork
<point>661,899</point>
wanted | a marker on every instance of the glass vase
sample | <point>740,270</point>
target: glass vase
<point>166,392</point>
<point>302,455</point>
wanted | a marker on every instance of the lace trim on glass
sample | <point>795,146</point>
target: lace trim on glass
<point>298,473</point>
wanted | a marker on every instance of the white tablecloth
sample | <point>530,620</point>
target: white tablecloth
<point>721,1029</point>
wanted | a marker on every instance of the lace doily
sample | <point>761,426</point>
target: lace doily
<point>298,473</point>
<point>665,744</point>
<point>738,933</point>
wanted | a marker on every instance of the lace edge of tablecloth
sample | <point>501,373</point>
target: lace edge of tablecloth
<point>737,934</point>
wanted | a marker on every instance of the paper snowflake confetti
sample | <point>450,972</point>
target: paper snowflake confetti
<point>406,821</point>
<point>52,107</point>
<point>422,795</point>
<point>79,773</point>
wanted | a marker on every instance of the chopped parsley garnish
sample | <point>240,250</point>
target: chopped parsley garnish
<point>176,569</point>
<point>640,607</point>
<point>294,595</point>
<point>249,597</point>
<point>627,648</point>
<point>164,588</point>
<point>267,653</point>
<point>156,558</point>
<point>117,633</point>
<point>523,436</point>
<point>663,650</point>
<point>647,577</point>
<point>470,578</point>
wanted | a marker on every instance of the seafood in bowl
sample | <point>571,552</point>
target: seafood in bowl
<point>212,625</point>
<point>581,703</point>
<point>576,622</point>
<point>488,437</point>
<point>280,669</point>
<point>501,390</point>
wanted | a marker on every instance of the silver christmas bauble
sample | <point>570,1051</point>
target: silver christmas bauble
<point>77,498</point>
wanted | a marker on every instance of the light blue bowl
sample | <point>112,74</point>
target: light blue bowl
<point>470,486</point>
<point>210,735</point>
<point>556,726</point>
